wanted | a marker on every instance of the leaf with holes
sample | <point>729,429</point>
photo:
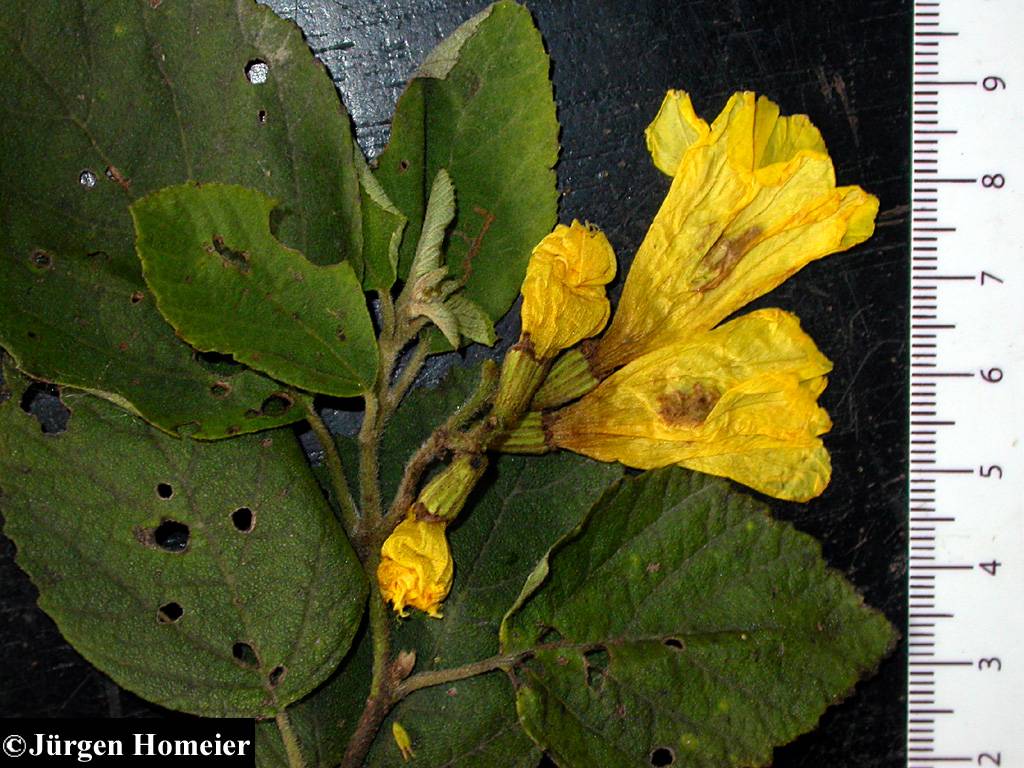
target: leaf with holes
<point>128,98</point>
<point>481,107</point>
<point>324,720</point>
<point>223,281</point>
<point>522,505</point>
<point>207,577</point>
<point>681,625</point>
<point>527,503</point>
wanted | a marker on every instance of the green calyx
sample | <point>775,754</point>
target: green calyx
<point>521,376</point>
<point>570,378</point>
<point>446,494</point>
<point>528,436</point>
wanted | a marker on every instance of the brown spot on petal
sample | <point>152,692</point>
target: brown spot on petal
<point>687,408</point>
<point>723,257</point>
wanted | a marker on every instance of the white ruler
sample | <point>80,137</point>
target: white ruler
<point>966,626</point>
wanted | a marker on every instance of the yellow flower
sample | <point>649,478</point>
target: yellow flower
<point>563,293</point>
<point>753,200</point>
<point>416,566</point>
<point>738,401</point>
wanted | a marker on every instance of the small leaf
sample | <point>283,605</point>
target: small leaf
<point>472,321</point>
<point>439,62</point>
<point>226,285</point>
<point>681,625</point>
<point>482,108</point>
<point>441,315</point>
<point>130,97</point>
<point>383,225</point>
<point>439,214</point>
<point>207,577</point>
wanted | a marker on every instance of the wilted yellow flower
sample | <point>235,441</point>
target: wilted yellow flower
<point>563,294</point>
<point>738,401</point>
<point>416,566</point>
<point>753,200</point>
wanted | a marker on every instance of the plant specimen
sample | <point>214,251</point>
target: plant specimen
<point>195,250</point>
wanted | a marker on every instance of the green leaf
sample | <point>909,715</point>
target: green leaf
<point>473,322</point>
<point>681,617</point>
<point>438,216</point>
<point>528,503</point>
<point>443,318</point>
<point>207,577</point>
<point>383,225</point>
<point>482,108</point>
<point>137,96</point>
<point>523,504</point>
<point>226,285</point>
<point>323,720</point>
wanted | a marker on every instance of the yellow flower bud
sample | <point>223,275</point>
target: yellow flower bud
<point>738,401</point>
<point>753,200</point>
<point>403,741</point>
<point>563,294</point>
<point>416,566</point>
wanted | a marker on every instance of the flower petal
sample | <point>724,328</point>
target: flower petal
<point>782,229</point>
<point>564,298</point>
<point>779,139</point>
<point>783,458</point>
<point>750,204</point>
<point>739,401</point>
<point>674,129</point>
<point>416,566</point>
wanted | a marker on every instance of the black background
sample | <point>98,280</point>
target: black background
<point>845,63</point>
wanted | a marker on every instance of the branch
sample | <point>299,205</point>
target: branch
<point>332,459</point>
<point>386,677</point>
<point>369,469</point>
<point>408,375</point>
<point>434,446</point>
<point>393,690</point>
<point>366,731</point>
<point>442,676</point>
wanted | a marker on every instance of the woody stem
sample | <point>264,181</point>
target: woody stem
<point>442,676</point>
<point>396,332</point>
